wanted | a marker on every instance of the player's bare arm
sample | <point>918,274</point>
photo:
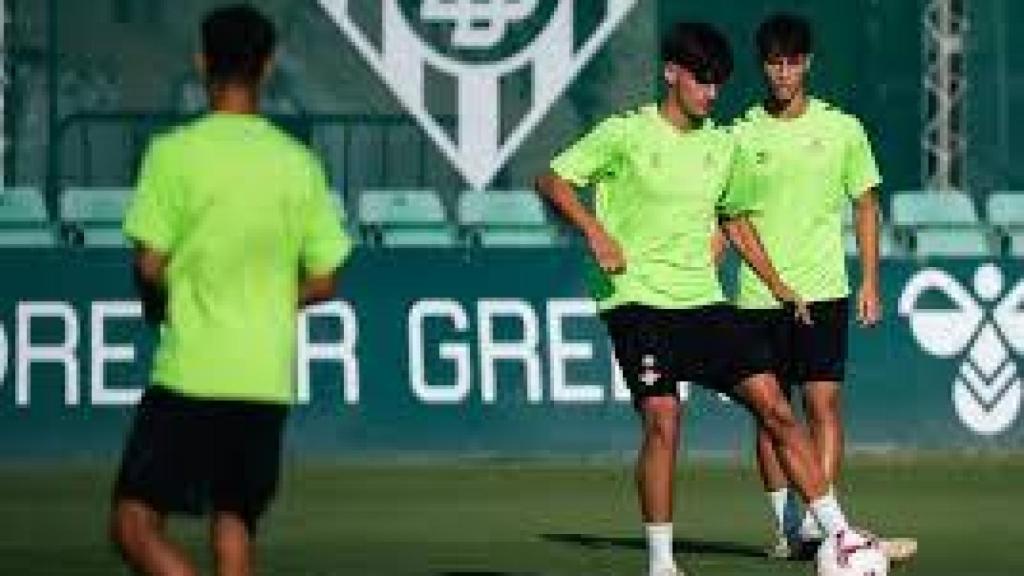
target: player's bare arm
<point>869,303</point>
<point>744,238</point>
<point>718,246</point>
<point>316,289</point>
<point>149,282</point>
<point>561,194</point>
<point>150,265</point>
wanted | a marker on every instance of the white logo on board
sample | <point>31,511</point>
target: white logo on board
<point>473,31</point>
<point>989,327</point>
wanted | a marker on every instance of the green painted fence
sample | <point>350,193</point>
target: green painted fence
<point>493,352</point>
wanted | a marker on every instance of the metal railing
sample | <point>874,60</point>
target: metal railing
<point>105,149</point>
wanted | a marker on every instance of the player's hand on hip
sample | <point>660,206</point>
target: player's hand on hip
<point>801,310</point>
<point>869,305</point>
<point>607,252</point>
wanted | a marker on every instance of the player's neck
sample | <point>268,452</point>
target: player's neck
<point>787,109</point>
<point>673,112</point>
<point>234,99</point>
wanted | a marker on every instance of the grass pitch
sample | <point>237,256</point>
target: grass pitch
<point>532,518</point>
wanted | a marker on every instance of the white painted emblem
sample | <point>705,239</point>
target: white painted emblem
<point>990,329</point>
<point>477,148</point>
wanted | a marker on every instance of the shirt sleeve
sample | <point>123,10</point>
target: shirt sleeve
<point>325,245</point>
<point>152,218</point>
<point>595,156</point>
<point>738,196</point>
<point>860,171</point>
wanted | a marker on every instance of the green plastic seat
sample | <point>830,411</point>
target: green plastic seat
<point>507,218</point>
<point>405,218</point>
<point>98,213</point>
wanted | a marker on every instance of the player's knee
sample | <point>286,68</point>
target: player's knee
<point>661,420</point>
<point>122,529</point>
<point>823,410</point>
<point>824,419</point>
<point>130,526</point>
<point>778,421</point>
<point>764,437</point>
<point>663,431</point>
<point>231,540</point>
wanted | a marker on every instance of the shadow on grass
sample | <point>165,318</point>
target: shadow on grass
<point>482,573</point>
<point>686,546</point>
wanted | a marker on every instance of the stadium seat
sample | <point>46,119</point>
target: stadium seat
<point>888,245</point>
<point>21,206</point>
<point>23,219</point>
<point>97,213</point>
<point>404,218</point>
<point>954,242</point>
<point>505,219</point>
<point>1017,244</point>
<point>941,224</point>
<point>1005,211</point>
<point>919,208</point>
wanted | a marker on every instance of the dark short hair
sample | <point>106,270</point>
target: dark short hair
<point>699,48</point>
<point>783,34</point>
<point>237,42</point>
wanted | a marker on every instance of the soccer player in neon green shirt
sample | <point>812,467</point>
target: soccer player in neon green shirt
<point>661,175</point>
<point>803,162</point>
<point>233,222</point>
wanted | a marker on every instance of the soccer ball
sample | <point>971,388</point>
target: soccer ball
<point>851,553</point>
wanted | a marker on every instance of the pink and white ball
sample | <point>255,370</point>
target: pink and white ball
<point>852,553</point>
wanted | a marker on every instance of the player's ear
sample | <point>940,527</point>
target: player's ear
<point>807,61</point>
<point>268,67</point>
<point>671,73</point>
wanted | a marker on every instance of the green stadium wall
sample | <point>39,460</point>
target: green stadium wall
<point>491,352</point>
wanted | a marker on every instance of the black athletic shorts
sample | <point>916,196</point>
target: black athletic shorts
<point>801,352</point>
<point>196,456</point>
<point>658,348</point>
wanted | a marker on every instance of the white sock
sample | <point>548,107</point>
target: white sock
<point>830,516</point>
<point>809,528</point>
<point>779,499</point>
<point>786,507</point>
<point>659,546</point>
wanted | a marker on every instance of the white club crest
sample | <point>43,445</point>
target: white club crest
<point>494,15</point>
<point>987,389</point>
<point>477,148</point>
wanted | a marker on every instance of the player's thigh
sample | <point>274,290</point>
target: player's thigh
<point>764,398</point>
<point>822,401</point>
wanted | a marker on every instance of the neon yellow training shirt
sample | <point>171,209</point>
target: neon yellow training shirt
<point>799,174</point>
<point>658,193</point>
<point>242,211</point>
